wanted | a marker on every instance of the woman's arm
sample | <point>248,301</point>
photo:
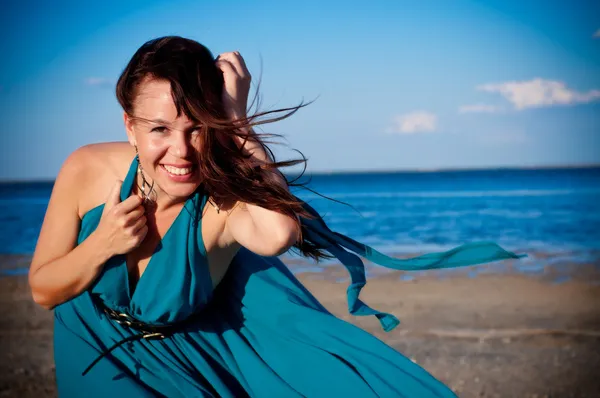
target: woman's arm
<point>61,269</point>
<point>261,230</point>
<point>54,282</point>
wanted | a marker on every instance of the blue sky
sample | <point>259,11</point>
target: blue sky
<point>400,84</point>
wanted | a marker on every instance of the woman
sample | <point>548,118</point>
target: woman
<point>168,284</point>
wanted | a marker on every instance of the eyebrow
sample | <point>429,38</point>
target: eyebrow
<point>161,121</point>
<point>155,121</point>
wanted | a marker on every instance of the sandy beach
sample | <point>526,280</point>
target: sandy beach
<point>496,335</point>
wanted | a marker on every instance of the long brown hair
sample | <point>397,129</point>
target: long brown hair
<point>226,170</point>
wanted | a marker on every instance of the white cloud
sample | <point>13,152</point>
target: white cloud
<point>414,122</point>
<point>479,108</point>
<point>99,82</point>
<point>539,93</point>
<point>596,34</point>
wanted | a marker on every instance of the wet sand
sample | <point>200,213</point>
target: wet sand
<point>496,335</point>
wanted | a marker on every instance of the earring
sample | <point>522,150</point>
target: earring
<point>216,207</point>
<point>145,197</point>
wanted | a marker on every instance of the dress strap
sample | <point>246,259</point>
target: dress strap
<point>129,180</point>
<point>335,243</point>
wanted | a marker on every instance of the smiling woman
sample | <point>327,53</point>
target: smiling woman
<point>157,294</point>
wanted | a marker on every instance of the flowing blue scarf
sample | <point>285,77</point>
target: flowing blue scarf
<point>335,243</point>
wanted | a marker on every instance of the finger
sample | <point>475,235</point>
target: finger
<point>135,224</point>
<point>139,222</point>
<point>242,63</point>
<point>140,227</point>
<point>134,215</point>
<point>237,62</point>
<point>131,203</point>
<point>227,67</point>
<point>141,233</point>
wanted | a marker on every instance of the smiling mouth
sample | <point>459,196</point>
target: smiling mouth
<point>179,171</point>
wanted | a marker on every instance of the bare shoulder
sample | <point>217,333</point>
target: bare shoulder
<point>95,168</point>
<point>79,186</point>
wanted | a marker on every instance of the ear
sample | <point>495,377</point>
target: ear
<point>129,129</point>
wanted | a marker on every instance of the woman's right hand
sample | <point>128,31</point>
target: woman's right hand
<point>122,225</point>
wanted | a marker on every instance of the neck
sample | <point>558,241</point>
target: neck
<point>157,199</point>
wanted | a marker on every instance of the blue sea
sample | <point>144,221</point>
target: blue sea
<point>551,214</point>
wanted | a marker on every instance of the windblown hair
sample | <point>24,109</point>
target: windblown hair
<point>227,171</point>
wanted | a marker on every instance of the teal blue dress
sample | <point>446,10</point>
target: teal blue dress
<point>259,333</point>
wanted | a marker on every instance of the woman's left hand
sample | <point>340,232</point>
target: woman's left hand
<point>236,84</point>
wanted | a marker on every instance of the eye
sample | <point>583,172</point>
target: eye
<point>160,129</point>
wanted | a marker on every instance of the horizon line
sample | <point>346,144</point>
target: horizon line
<point>391,171</point>
<point>459,168</point>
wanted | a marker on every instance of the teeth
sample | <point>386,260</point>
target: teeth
<point>177,170</point>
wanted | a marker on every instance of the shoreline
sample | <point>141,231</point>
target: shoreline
<point>548,266</point>
<point>496,335</point>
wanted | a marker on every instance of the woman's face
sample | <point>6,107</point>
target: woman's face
<point>167,144</point>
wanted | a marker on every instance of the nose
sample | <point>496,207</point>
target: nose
<point>180,144</point>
